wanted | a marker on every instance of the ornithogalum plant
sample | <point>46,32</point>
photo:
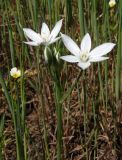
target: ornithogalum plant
<point>52,59</point>
<point>83,56</point>
<point>46,37</point>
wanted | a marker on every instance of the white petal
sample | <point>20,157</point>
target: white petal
<point>56,29</point>
<point>13,70</point>
<point>98,59</point>
<point>86,43</point>
<point>45,30</point>
<point>31,43</point>
<point>70,58</point>
<point>32,35</point>
<point>54,40</point>
<point>70,45</point>
<point>84,65</point>
<point>102,50</point>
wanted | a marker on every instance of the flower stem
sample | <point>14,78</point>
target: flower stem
<point>59,121</point>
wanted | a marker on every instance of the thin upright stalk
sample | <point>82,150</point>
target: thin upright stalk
<point>68,16</point>
<point>2,124</point>
<point>85,111</point>
<point>81,17</point>
<point>59,120</point>
<point>94,25</point>
<point>119,55</point>
<point>95,130</point>
<point>7,95</point>
<point>41,101</point>
<point>12,106</point>
<point>20,153</point>
<point>105,27</point>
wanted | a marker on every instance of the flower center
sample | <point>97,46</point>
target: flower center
<point>84,56</point>
<point>44,37</point>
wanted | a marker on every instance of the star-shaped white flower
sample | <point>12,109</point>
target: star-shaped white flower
<point>46,37</point>
<point>83,56</point>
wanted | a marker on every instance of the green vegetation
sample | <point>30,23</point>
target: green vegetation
<point>56,110</point>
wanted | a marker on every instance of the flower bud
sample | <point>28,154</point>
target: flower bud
<point>57,55</point>
<point>15,73</point>
<point>112,3</point>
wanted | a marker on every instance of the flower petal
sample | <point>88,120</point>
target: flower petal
<point>86,43</point>
<point>32,35</point>
<point>102,50</point>
<point>31,43</point>
<point>56,29</point>
<point>70,58</point>
<point>45,30</point>
<point>98,59</point>
<point>13,70</point>
<point>54,40</point>
<point>70,45</point>
<point>84,65</point>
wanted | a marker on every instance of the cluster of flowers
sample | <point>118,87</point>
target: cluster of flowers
<point>83,56</point>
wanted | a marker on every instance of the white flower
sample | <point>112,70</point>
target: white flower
<point>15,73</point>
<point>83,56</point>
<point>46,37</point>
<point>112,3</point>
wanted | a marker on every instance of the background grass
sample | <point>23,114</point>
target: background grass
<point>92,114</point>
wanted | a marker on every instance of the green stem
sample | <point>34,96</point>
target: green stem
<point>41,101</point>
<point>119,55</point>
<point>85,110</point>
<point>6,92</point>
<point>59,121</point>
<point>81,17</point>
<point>59,100</point>
<point>16,127</point>
<point>95,129</point>
<point>17,138</point>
